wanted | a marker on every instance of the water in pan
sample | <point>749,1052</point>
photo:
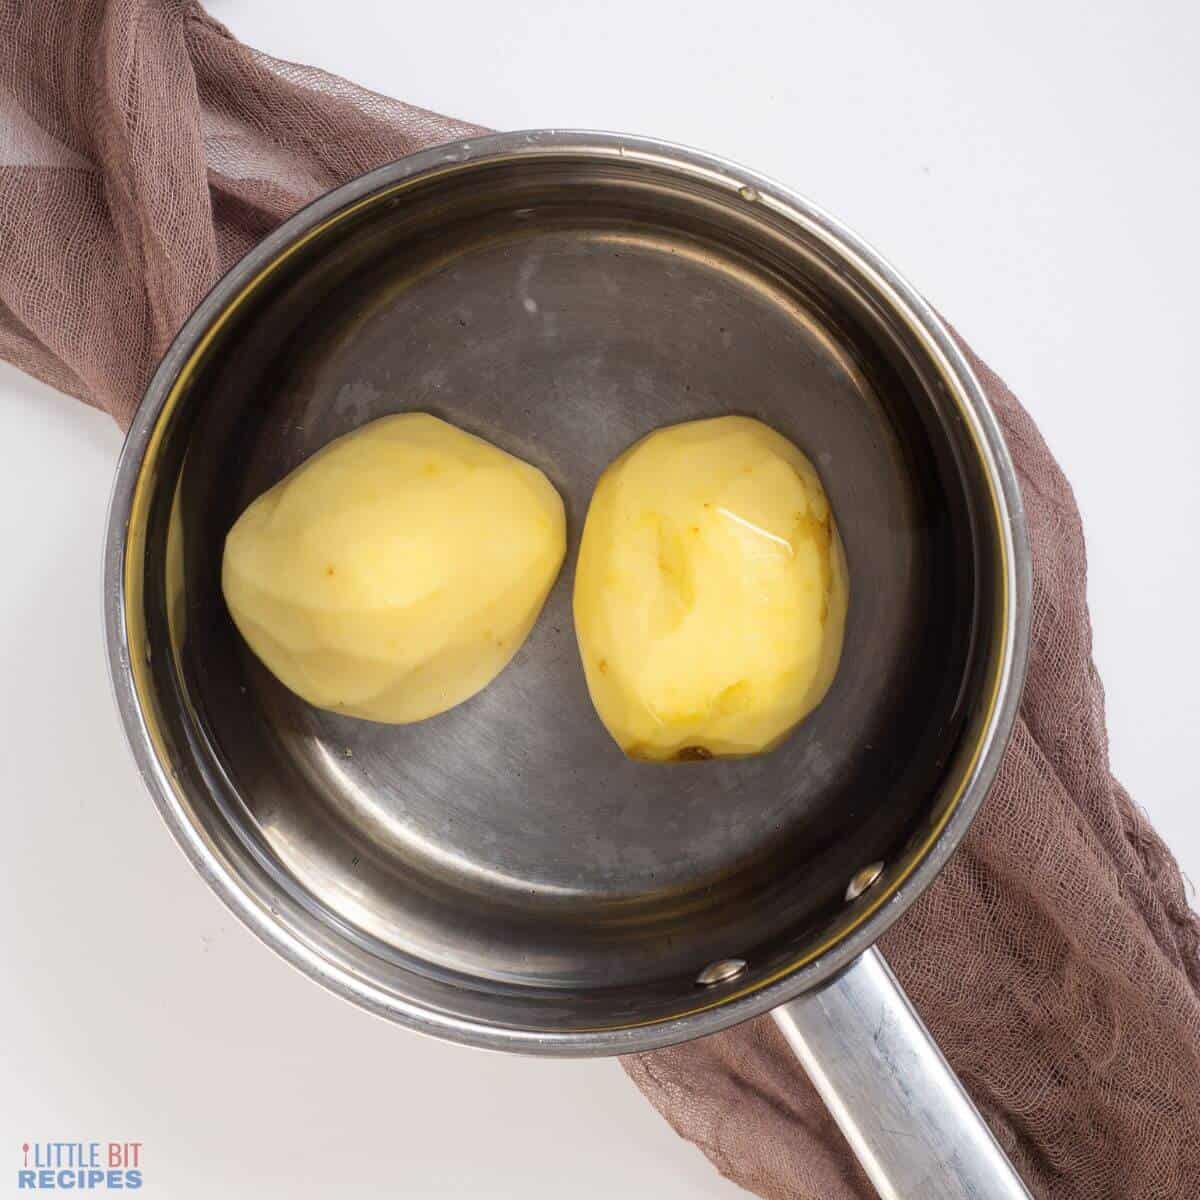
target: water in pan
<point>509,838</point>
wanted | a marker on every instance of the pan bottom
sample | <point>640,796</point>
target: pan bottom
<point>509,839</point>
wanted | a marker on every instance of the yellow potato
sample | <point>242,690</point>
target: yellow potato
<point>711,592</point>
<point>397,571</point>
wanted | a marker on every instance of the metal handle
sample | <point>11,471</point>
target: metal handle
<point>902,1109</point>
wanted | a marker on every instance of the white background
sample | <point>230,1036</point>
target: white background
<point>1033,167</point>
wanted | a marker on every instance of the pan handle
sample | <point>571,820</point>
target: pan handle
<point>902,1109</point>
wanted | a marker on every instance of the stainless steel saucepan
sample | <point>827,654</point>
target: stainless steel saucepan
<point>501,875</point>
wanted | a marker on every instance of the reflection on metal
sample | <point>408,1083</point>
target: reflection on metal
<point>721,971</point>
<point>862,880</point>
<point>902,1109</point>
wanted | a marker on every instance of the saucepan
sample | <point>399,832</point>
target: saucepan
<point>501,875</point>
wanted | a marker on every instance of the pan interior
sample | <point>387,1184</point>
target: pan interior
<point>506,851</point>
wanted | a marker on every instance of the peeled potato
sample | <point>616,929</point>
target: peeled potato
<point>397,571</point>
<point>710,597</point>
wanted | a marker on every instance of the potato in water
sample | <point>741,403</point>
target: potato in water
<point>711,592</point>
<point>397,571</point>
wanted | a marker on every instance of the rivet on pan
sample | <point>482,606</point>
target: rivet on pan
<point>721,971</point>
<point>862,880</point>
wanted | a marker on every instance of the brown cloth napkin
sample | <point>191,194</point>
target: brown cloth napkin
<point>143,150</point>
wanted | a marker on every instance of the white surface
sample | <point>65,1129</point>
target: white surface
<point>1033,167</point>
